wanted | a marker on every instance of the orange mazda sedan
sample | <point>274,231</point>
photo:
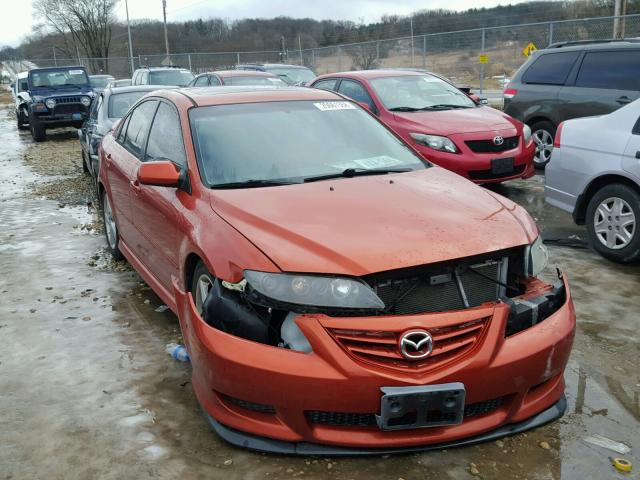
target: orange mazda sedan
<point>337,293</point>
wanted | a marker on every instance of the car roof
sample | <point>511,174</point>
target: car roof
<point>136,88</point>
<point>164,68</point>
<point>272,65</point>
<point>101,75</point>
<point>22,74</point>
<point>207,96</point>
<point>593,45</point>
<point>241,73</point>
<point>66,67</point>
<point>369,74</point>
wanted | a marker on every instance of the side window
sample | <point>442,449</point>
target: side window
<point>611,70</point>
<point>165,138</point>
<point>214,81</point>
<point>134,80</point>
<point>201,81</point>
<point>23,85</point>
<point>123,130</point>
<point>551,68</point>
<point>355,91</point>
<point>138,127</point>
<point>145,78</point>
<point>328,84</point>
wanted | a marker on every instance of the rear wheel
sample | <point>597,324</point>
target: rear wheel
<point>201,284</point>
<point>22,118</point>
<point>85,168</point>
<point>38,131</point>
<point>110,228</point>
<point>543,134</point>
<point>613,215</point>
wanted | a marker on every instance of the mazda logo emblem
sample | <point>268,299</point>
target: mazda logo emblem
<point>415,344</point>
<point>498,140</point>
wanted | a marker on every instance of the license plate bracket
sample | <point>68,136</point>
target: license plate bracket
<point>502,165</point>
<point>403,408</point>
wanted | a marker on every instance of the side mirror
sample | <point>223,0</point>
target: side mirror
<point>162,173</point>
<point>476,98</point>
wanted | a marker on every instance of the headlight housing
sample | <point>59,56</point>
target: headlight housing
<point>50,103</point>
<point>304,293</point>
<point>526,133</point>
<point>86,101</point>
<point>536,257</point>
<point>436,142</point>
<point>36,99</point>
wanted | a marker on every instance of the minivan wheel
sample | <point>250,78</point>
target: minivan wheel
<point>110,228</point>
<point>201,284</point>
<point>22,118</point>
<point>613,217</point>
<point>543,134</point>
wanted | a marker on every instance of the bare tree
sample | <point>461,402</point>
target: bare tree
<point>84,25</point>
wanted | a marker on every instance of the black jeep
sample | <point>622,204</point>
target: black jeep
<point>59,97</point>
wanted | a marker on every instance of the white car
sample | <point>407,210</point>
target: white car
<point>595,175</point>
<point>21,96</point>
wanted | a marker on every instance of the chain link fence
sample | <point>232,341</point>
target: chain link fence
<point>453,54</point>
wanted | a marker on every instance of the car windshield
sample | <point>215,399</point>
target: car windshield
<point>293,75</point>
<point>99,82</point>
<point>179,78</point>
<point>292,141</point>
<point>119,103</point>
<point>253,80</point>
<point>58,78</point>
<point>419,92</point>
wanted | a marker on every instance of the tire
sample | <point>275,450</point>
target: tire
<point>110,228</point>
<point>543,134</point>
<point>201,277</point>
<point>38,132</point>
<point>85,168</point>
<point>613,223</point>
<point>21,118</point>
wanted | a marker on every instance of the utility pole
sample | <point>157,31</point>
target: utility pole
<point>166,37</point>
<point>617,8</point>
<point>55,60</point>
<point>300,49</point>
<point>126,6</point>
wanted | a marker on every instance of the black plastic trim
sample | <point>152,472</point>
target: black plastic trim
<point>264,444</point>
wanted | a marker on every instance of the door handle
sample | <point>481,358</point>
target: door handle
<point>623,99</point>
<point>135,184</point>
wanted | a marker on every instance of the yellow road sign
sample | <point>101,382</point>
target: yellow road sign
<point>529,49</point>
<point>484,58</point>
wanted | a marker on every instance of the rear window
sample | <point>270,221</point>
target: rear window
<point>612,70</point>
<point>257,80</point>
<point>551,68</point>
<point>178,78</point>
<point>120,103</point>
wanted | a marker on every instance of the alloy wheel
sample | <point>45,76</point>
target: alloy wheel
<point>109,223</point>
<point>614,223</point>
<point>544,146</point>
<point>203,286</point>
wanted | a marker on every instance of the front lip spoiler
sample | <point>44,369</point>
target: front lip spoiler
<point>263,444</point>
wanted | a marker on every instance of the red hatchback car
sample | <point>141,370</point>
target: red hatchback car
<point>337,293</point>
<point>441,122</point>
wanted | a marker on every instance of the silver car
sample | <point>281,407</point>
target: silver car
<point>595,176</point>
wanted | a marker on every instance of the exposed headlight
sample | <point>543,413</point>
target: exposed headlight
<point>311,291</point>
<point>526,133</point>
<point>86,101</point>
<point>436,142</point>
<point>36,99</point>
<point>536,257</point>
<point>50,103</point>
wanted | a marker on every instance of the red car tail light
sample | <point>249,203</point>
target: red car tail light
<point>556,140</point>
<point>509,92</point>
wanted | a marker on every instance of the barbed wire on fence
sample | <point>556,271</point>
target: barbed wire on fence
<point>455,54</point>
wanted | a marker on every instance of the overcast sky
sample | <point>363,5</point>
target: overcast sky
<point>17,23</point>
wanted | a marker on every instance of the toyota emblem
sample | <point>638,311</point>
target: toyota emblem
<point>498,140</point>
<point>415,344</point>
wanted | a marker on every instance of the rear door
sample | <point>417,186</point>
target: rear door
<point>121,165</point>
<point>158,211</point>
<point>605,81</point>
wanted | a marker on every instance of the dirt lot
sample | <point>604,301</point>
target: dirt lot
<point>87,391</point>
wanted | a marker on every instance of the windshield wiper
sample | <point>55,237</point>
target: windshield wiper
<point>404,109</point>
<point>447,105</point>
<point>252,184</point>
<point>357,172</point>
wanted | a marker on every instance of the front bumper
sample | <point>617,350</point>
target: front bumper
<point>477,166</point>
<point>524,370</point>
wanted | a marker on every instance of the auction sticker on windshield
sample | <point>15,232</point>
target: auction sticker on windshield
<point>381,161</point>
<point>328,106</point>
<point>76,72</point>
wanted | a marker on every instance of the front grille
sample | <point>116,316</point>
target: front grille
<point>68,100</point>
<point>346,419</point>
<point>380,348</point>
<point>489,175</point>
<point>441,292</point>
<point>487,146</point>
<point>69,108</point>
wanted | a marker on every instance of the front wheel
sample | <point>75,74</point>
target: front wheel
<point>22,118</point>
<point>613,214</point>
<point>543,134</point>
<point>38,131</point>
<point>110,228</point>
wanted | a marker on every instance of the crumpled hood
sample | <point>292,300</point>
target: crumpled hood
<point>371,224</point>
<point>449,122</point>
